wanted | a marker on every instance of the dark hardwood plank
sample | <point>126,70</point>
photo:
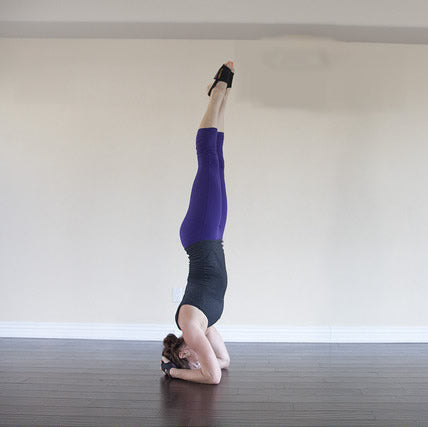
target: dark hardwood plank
<point>101,382</point>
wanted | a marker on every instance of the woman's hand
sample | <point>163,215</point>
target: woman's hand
<point>165,360</point>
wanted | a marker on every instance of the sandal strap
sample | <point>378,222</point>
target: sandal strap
<point>224,74</point>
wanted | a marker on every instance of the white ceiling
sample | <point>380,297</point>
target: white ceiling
<point>388,21</point>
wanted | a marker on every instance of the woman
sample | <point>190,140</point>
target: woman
<point>200,353</point>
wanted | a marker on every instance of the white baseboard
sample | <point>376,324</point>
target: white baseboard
<point>230,333</point>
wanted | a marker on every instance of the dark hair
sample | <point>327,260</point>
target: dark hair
<point>171,348</point>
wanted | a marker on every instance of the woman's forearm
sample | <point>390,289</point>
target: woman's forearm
<point>194,375</point>
<point>223,363</point>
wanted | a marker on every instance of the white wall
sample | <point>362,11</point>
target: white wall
<point>325,151</point>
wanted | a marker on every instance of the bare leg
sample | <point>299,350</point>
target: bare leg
<point>221,112</point>
<point>211,115</point>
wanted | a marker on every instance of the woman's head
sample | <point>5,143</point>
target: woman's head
<point>176,350</point>
<point>172,347</point>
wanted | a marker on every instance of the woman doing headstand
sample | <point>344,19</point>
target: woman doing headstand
<point>200,353</point>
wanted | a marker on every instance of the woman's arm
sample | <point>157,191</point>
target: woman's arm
<point>194,375</point>
<point>218,346</point>
<point>223,363</point>
<point>210,371</point>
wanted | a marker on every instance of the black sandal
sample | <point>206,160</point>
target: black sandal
<point>224,74</point>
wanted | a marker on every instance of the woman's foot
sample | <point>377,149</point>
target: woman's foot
<point>221,86</point>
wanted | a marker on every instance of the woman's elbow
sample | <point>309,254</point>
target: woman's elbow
<point>215,377</point>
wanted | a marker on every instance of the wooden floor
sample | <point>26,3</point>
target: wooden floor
<point>101,383</point>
